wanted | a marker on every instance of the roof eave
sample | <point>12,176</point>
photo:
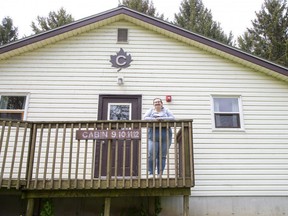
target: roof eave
<point>59,33</point>
<point>115,14</point>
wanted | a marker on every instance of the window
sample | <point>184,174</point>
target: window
<point>119,111</point>
<point>122,35</point>
<point>226,112</point>
<point>12,107</point>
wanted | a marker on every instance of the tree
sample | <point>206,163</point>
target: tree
<point>143,6</point>
<point>194,17</point>
<point>54,20</point>
<point>8,32</point>
<point>268,37</point>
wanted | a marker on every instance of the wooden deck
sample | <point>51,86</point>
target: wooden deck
<point>51,159</point>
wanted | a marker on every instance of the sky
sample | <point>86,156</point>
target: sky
<point>233,15</point>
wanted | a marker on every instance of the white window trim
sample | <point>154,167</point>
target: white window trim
<point>242,128</point>
<point>25,110</point>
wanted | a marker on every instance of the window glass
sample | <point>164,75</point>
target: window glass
<point>226,112</point>
<point>119,111</point>
<point>122,35</point>
<point>227,121</point>
<point>226,105</point>
<point>15,116</point>
<point>12,102</point>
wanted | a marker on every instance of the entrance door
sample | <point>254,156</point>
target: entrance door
<point>118,107</point>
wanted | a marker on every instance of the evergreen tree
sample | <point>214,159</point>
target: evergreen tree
<point>194,17</point>
<point>8,32</point>
<point>143,6</point>
<point>268,37</point>
<point>54,20</point>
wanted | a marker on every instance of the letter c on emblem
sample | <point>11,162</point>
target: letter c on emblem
<point>121,57</point>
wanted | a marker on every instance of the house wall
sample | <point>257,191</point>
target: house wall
<point>224,206</point>
<point>64,80</point>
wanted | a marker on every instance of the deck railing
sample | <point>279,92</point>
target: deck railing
<point>92,155</point>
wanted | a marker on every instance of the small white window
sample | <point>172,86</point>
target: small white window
<point>226,112</point>
<point>122,36</point>
<point>12,107</point>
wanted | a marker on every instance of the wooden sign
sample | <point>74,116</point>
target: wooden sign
<point>124,134</point>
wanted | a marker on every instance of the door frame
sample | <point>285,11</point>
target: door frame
<point>137,112</point>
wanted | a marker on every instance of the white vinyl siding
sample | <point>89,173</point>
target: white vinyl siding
<point>65,79</point>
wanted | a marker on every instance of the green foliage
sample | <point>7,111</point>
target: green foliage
<point>268,37</point>
<point>54,20</point>
<point>194,17</point>
<point>142,211</point>
<point>158,207</point>
<point>8,32</point>
<point>47,208</point>
<point>143,6</point>
<point>135,212</point>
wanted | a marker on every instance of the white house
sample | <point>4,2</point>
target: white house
<point>238,103</point>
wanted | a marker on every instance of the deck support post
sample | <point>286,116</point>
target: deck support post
<point>151,205</point>
<point>30,207</point>
<point>186,205</point>
<point>107,206</point>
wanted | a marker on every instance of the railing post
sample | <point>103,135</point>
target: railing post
<point>5,153</point>
<point>30,158</point>
<point>185,205</point>
<point>109,161</point>
<point>186,155</point>
<point>184,141</point>
<point>2,134</point>
<point>107,206</point>
<point>30,207</point>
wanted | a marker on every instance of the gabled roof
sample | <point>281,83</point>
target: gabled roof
<point>152,23</point>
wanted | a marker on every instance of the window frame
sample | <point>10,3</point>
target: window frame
<point>240,113</point>
<point>127,38</point>
<point>23,112</point>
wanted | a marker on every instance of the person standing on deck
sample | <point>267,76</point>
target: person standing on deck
<point>158,113</point>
